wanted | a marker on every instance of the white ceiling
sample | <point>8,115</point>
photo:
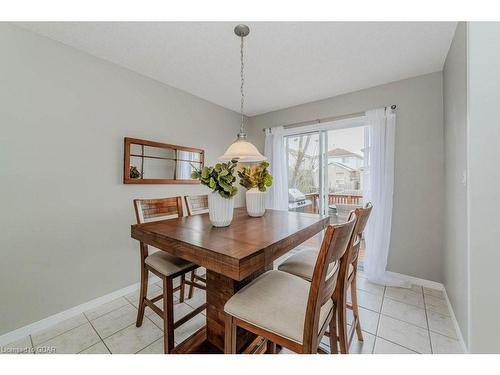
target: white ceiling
<point>286,63</point>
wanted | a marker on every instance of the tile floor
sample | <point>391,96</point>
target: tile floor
<point>394,321</point>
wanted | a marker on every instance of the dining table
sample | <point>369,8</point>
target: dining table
<point>233,256</point>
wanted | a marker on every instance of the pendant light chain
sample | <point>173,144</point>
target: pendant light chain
<point>242,104</point>
<point>241,149</point>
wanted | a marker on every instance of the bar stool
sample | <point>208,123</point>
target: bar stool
<point>302,265</point>
<point>196,205</point>
<point>166,267</point>
<point>286,309</point>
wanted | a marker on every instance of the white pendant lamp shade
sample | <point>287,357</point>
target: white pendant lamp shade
<point>241,149</point>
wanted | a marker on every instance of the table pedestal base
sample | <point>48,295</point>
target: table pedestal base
<point>198,343</point>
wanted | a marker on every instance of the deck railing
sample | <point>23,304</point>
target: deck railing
<point>345,199</point>
<point>334,198</point>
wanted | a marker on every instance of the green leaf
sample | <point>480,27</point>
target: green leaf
<point>256,176</point>
<point>268,180</point>
<point>219,178</point>
<point>205,172</point>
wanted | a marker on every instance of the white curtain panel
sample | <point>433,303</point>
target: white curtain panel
<point>378,189</point>
<point>277,197</point>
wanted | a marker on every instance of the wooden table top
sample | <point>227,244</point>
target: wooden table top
<point>235,251</point>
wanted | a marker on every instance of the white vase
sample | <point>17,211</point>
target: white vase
<point>256,202</point>
<point>220,210</point>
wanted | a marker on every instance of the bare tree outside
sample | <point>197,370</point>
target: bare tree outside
<point>303,163</point>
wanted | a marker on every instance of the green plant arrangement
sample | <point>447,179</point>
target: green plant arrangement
<point>219,178</point>
<point>256,177</point>
<point>134,172</point>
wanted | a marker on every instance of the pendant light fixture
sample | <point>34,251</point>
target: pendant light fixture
<point>241,149</point>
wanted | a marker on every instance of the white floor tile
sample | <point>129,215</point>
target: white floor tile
<point>190,327</point>
<point>154,348</point>
<point>153,291</point>
<point>362,347</point>
<point>198,299</point>
<point>58,329</point>
<point>441,324</point>
<point>386,347</point>
<point>404,334</point>
<point>177,281</point>
<point>70,342</point>
<point>369,287</point>
<point>202,271</point>
<point>180,309</point>
<point>133,339</point>
<point>445,345</point>
<point>115,320</point>
<point>434,292</point>
<point>409,296</point>
<point>369,319</point>
<point>106,308</point>
<point>436,304</point>
<point>402,311</point>
<point>357,347</point>
<point>98,348</point>
<point>286,351</point>
<point>367,300</point>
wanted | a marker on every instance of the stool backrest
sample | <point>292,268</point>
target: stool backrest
<point>362,215</point>
<point>147,210</point>
<point>196,204</point>
<point>326,272</point>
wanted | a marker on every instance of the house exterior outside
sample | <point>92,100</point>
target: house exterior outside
<point>345,170</point>
<point>345,157</point>
<point>342,177</point>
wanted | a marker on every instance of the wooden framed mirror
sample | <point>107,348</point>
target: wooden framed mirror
<point>149,162</point>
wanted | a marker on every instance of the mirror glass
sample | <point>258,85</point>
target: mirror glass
<point>166,162</point>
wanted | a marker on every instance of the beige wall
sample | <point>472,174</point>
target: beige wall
<point>417,229</point>
<point>65,217</point>
<point>484,180</point>
<point>455,261</point>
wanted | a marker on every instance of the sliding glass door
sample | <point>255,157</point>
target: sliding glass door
<point>326,168</point>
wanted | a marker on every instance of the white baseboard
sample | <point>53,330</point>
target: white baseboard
<point>417,281</point>
<point>438,286</point>
<point>455,323</point>
<point>64,315</point>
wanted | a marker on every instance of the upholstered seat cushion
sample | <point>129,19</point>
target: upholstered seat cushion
<point>167,264</point>
<point>302,264</point>
<point>275,301</point>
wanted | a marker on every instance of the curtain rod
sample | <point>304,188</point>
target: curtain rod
<point>327,119</point>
